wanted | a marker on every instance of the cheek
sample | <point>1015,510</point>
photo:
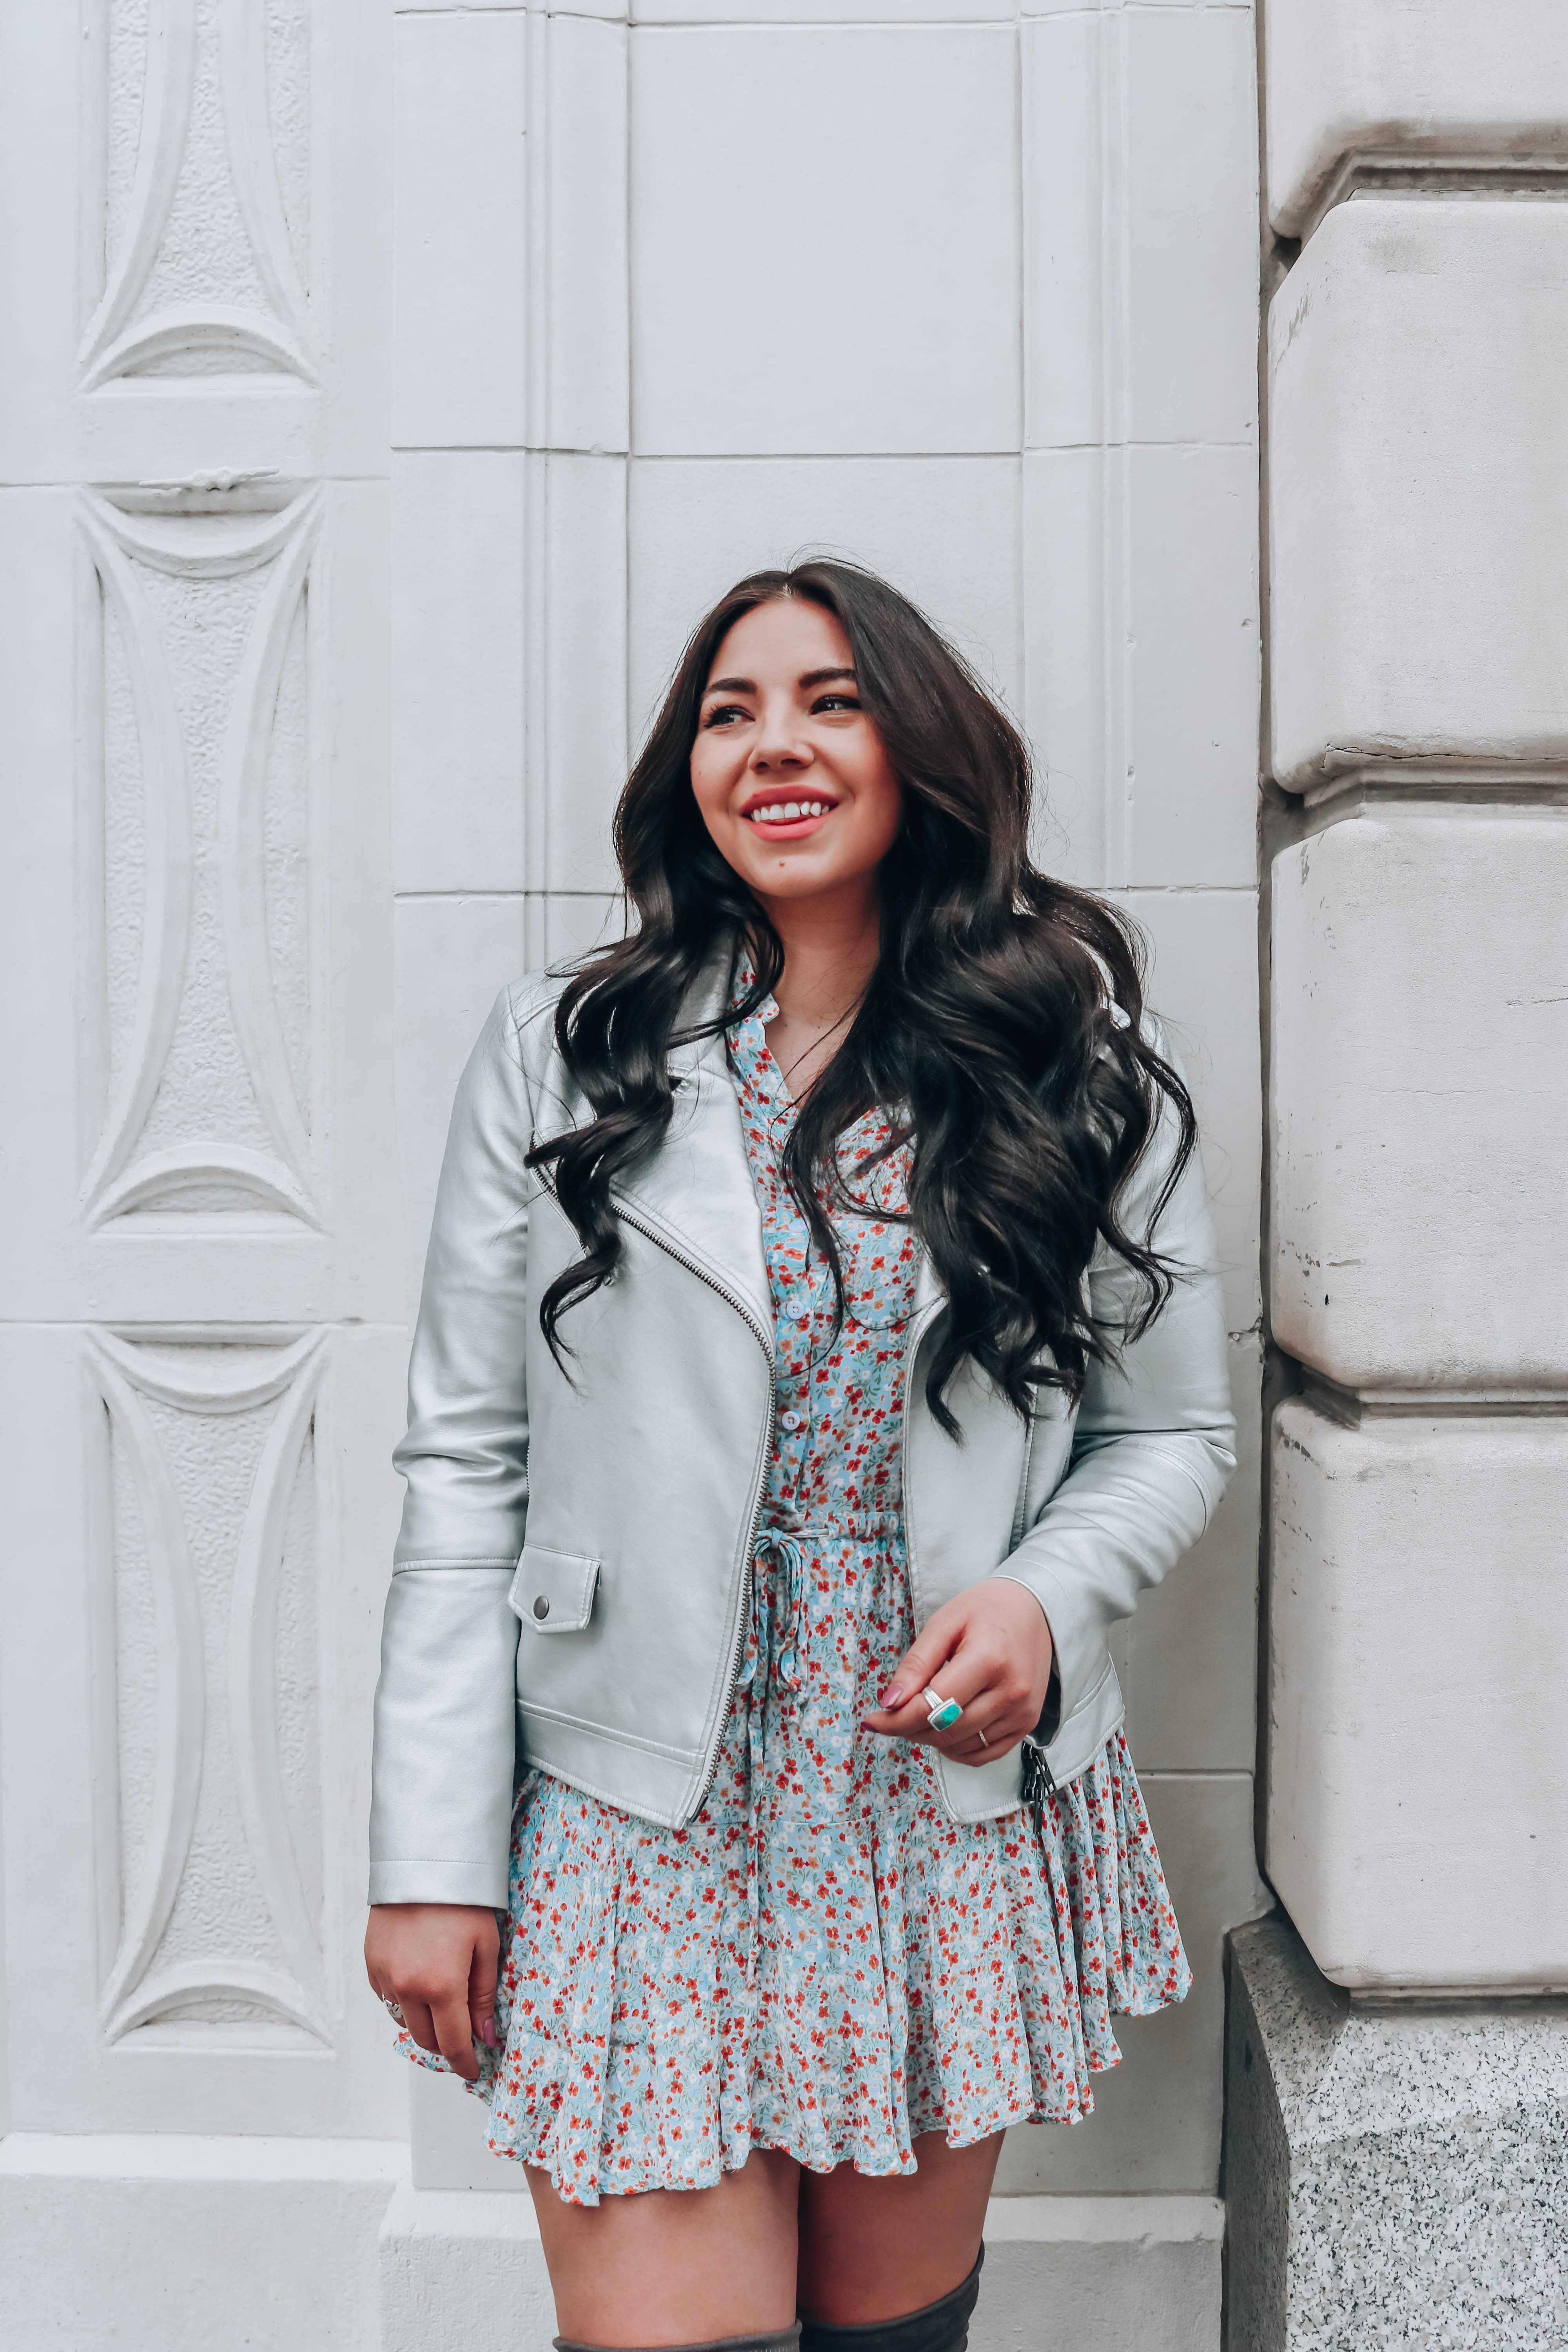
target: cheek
<point>709,777</point>
<point>884,805</point>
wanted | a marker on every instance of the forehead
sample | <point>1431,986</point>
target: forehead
<point>780,639</point>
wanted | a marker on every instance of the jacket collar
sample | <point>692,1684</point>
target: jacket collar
<point>697,1189</point>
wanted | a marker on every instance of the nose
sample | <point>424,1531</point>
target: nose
<point>782,746</point>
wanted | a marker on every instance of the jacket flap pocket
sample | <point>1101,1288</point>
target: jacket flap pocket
<point>553,1591</point>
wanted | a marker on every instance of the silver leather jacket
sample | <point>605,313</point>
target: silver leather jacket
<point>572,1583</point>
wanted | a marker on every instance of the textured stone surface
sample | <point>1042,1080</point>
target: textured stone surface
<point>1440,83</point>
<point>1419,1079</point>
<point>1419,1652</point>
<point>1418,473</point>
<point>1394,2177</point>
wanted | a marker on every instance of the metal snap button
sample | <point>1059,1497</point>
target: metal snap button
<point>542,1606</point>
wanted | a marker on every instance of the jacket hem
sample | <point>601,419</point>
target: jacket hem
<point>582,1757</point>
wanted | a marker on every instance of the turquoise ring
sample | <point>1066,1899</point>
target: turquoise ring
<point>941,1714</point>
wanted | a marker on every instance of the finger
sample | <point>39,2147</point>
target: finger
<point>921,1662</point>
<point>988,1750</point>
<point>482,1990</point>
<point>960,1678</point>
<point>417,2018</point>
<point>455,2036</point>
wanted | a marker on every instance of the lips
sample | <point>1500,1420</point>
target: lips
<point>787,816</point>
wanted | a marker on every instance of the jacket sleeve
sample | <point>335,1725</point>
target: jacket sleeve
<point>441,1792</point>
<point>1154,1441</point>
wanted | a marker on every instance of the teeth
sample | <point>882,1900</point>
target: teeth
<point>788,812</point>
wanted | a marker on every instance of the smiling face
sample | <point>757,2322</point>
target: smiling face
<point>791,776</point>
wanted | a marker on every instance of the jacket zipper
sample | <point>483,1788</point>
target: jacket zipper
<point>742,1614</point>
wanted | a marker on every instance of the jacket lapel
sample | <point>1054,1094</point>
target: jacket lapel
<point>695,1190</point>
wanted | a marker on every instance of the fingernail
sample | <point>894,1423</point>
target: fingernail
<point>892,1696</point>
<point>489,2030</point>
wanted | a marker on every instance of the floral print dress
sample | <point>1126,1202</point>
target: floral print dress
<point>824,1961</point>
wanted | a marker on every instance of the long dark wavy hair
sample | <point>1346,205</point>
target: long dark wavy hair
<point>1003,1028</point>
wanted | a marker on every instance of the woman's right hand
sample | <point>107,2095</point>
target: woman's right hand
<point>438,1961</point>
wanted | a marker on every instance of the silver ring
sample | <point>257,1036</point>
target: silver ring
<point>981,1736</point>
<point>394,2011</point>
<point>941,1714</point>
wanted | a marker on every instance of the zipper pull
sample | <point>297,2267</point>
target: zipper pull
<point>1037,1782</point>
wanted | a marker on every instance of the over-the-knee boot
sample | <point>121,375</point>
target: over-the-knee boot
<point>940,2327</point>
<point>781,2339</point>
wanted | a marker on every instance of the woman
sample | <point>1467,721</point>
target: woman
<point>819,1349</point>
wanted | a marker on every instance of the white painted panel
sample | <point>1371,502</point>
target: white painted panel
<point>1195,665</point>
<point>1418,473</point>
<point>1420,1100</point>
<point>943,530</point>
<point>276,2241</point>
<point>588,358</point>
<point>457,644</point>
<point>584,628</point>
<point>458,240</point>
<point>1141,244</point>
<point>1432,81</point>
<point>1191,224</point>
<point>1073,160</point>
<point>1143,661</point>
<point>454,956</point>
<point>1155,2129</point>
<point>180,301</point>
<point>184,1695</point>
<point>1075,655</point>
<point>877,309</point>
<point>1418,1634</point>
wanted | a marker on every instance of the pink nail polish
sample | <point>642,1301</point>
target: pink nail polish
<point>489,2033</point>
<point>892,1696</point>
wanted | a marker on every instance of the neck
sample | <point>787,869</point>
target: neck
<point>831,943</point>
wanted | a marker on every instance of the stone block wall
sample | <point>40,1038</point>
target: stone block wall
<point>1417,1613</point>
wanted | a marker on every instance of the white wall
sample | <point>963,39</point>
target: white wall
<point>534,330</point>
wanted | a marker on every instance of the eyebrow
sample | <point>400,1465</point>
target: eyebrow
<point>748,684</point>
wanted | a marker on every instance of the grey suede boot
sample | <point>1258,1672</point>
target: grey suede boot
<point>784,2339</point>
<point>941,2326</point>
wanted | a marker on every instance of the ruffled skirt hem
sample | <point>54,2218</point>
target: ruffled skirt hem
<point>957,1978</point>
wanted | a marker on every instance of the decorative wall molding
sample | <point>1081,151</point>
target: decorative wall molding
<point>207,1507</point>
<point>203,276</point>
<point>196,856</point>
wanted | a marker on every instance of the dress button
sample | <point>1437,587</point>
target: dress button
<point>790,1420</point>
<point>542,1606</point>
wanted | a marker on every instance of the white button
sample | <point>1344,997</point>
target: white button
<point>790,1420</point>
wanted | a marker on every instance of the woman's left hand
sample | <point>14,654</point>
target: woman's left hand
<point>991,1650</point>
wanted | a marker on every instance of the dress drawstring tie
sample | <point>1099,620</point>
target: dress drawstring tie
<point>764,1668</point>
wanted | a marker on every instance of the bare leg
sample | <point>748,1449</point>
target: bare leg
<point>675,2266</point>
<point>873,2249</point>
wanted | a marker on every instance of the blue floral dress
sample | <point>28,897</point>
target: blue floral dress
<point>824,1961</point>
